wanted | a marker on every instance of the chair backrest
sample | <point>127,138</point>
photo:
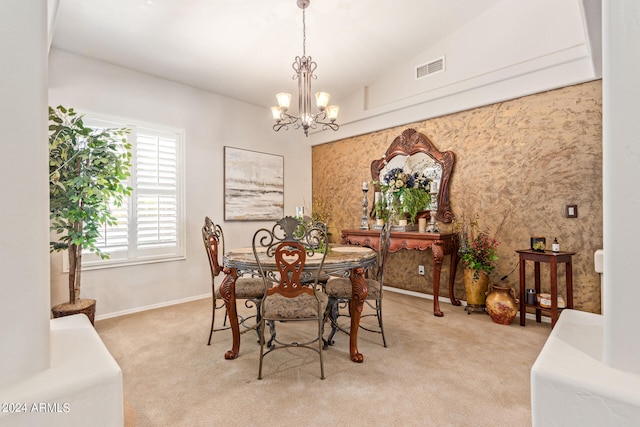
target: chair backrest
<point>383,251</point>
<point>213,240</point>
<point>290,243</point>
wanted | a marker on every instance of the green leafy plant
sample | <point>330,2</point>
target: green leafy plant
<point>414,200</point>
<point>406,193</point>
<point>477,249</point>
<point>88,169</point>
<point>381,210</point>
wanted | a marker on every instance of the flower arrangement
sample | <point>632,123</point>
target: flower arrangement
<point>477,249</point>
<point>406,193</point>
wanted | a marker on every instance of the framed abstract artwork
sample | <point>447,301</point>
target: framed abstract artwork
<point>253,185</point>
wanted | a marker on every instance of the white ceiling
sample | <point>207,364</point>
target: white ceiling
<point>243,49</point>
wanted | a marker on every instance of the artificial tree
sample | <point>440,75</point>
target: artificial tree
<point>88,169</point>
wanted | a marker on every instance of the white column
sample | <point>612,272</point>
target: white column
<point>621,175</point>
<point>24,199</point>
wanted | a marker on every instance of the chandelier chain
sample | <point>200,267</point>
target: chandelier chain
<point>304,35</point>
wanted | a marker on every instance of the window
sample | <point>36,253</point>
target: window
<point>151,220</point>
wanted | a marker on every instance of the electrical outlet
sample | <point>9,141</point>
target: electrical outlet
<point>421,270</point>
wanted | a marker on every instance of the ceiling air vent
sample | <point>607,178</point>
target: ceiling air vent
<point>430,68</point>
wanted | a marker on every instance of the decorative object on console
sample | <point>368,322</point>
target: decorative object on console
<point>502,304</point>
<point>555,246</point>
<point>410,157</point>
<point>538,244</point>
<point>364,225</point>
<point>478,253</point>
<point>406,194</point>
<point>304,68</point>
<point>433,193</point>
<point>380,211</point>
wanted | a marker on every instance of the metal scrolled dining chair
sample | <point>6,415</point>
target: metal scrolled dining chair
<point>290,257</point>
<point>339,290</point>
<point>251,289</point>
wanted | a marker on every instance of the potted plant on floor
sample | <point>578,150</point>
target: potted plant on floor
<point>478,254</point>
<point>88,169</point>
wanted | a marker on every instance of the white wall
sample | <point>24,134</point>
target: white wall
<point>516,48</point>
<point>621,173</point>
<point>210,123</point>
<point>588,372</point>
<point>24,293</point>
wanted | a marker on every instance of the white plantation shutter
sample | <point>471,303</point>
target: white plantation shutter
<point>157,190</point>
<point>150,221</point>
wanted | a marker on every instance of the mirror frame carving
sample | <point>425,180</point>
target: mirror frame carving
<point>412,142</point>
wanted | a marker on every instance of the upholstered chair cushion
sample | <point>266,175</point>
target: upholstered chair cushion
<point>303,306</point>
<point>340,287</point>
<point>249,287</point>
<point>246,288</point>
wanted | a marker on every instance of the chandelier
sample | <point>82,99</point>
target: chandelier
<point>304,68</point>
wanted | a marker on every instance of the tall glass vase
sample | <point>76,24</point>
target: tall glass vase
<point>392,206</point>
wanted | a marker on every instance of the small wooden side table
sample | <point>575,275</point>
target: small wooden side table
<point>553,258</point>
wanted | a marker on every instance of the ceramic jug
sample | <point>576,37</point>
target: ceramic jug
<point>502,304</point>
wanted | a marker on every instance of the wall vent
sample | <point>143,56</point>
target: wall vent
<point>431,67</point>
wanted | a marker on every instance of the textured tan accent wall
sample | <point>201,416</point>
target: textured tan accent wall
<point>518,164</point>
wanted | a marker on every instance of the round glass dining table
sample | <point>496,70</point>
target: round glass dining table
<point>341,260</point>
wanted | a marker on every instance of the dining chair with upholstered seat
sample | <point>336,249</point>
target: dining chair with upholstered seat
<point>250,289</point>
<point>339,291</point>
<point>290,257</point>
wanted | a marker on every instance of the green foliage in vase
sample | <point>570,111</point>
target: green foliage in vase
<point>414,200</point>
<point>88,169</point>
<point>381,209</point>
<point>406,193</point>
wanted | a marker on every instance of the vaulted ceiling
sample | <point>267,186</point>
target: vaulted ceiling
<point>244,49</point>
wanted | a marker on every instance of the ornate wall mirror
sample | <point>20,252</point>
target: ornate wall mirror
<point>414,152</point>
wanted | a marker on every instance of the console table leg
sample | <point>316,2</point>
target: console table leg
<point>536,284</point>
<point>438,255</point>
<point>453,267</point>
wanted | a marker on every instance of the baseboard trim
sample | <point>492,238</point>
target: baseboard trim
<point>151,307</point>
<point>531,316</point>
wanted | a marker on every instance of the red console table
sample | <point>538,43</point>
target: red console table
<point>553,258</point>
<point>440,244</point>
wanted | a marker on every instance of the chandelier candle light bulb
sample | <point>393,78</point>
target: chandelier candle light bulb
<point>284,100</point>
<point>332,113</point>
<point>322,100</point>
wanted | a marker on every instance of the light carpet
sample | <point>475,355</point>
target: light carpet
<point>457,370</point>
